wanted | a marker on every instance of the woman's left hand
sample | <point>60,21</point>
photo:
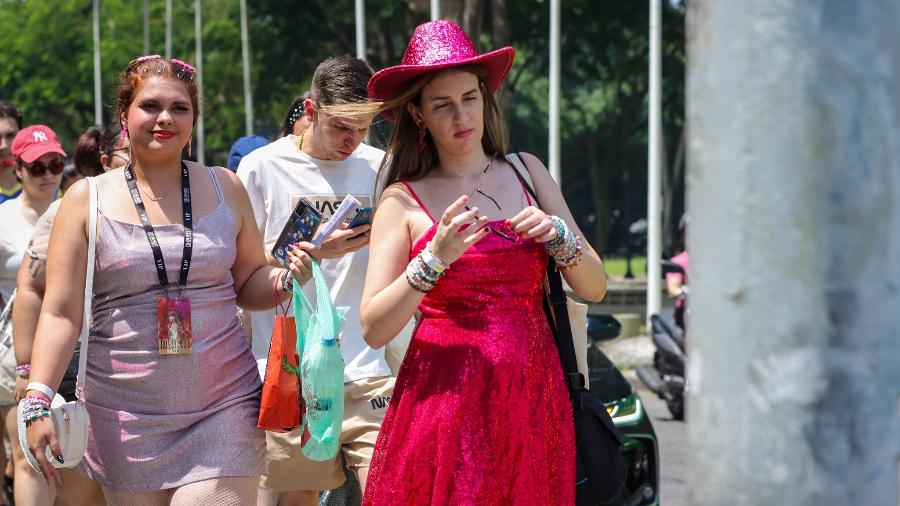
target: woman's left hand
<point>300,262</point>
<point>532,223</point>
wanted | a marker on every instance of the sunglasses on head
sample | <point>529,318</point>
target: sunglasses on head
<point>38,169</point>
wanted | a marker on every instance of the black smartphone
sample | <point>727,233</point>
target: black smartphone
<point>363,216</point>
<point>301,226</point>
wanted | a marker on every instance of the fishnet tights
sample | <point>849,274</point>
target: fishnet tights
<point>230,491</point>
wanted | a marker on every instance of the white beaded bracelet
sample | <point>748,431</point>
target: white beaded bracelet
<point>40,387</point>
<point>434,263</point>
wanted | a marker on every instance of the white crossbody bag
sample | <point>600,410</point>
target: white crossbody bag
<point>70,419</point>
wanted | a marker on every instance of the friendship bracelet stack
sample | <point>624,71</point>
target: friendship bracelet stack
<point>566,247</point>
<point>34,408</point>
<point>424,271</point>
<point>23,370</point>
<point>286,281</point>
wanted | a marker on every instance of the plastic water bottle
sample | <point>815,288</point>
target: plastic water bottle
<point>321,367</point>
<point>324,394</point>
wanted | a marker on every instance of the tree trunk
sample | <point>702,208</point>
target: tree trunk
<point>599,180</point>
<point>472,16</point>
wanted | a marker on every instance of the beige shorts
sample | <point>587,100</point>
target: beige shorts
<point>365,403</point>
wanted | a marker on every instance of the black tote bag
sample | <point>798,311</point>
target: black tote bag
<point>599,466</point>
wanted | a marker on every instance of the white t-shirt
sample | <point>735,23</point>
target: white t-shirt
<point>15,233</point>
<point>276,177</point>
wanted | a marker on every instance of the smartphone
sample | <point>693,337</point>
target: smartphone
<point>363,216</point>
<point>301,226</point>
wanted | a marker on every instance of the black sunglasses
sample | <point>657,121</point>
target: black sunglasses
<point>38,169</point>
<point>498,232</point>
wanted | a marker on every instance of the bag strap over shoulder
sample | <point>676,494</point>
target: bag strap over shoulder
<point>88,287</point>
<point>556,299</point>
<point>523,174</point>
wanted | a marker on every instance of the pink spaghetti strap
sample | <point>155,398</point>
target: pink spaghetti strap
<point>418,200</point>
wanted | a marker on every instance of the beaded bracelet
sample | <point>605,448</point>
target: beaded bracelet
<point>566,246</point>
<point>23,370</point>
<point>34,408</point>
<point>561,230</point>
<point>420,273</point>
<point>286,280</point>
<point>434,263</point>
<point>573,260</point>
<point>417,278</point>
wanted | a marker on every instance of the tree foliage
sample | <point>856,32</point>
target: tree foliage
<point>47,71</point>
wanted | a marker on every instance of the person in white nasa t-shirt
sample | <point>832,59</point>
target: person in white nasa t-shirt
<point>323,164</point>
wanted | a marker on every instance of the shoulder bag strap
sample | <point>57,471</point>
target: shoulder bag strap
<point>556,298</point>
<point>88,287</point>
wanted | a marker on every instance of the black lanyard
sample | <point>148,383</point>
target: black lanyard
<point>151,235</point>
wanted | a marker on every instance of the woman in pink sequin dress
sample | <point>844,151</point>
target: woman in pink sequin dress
<point>480,413</point>
<point>173,399</point>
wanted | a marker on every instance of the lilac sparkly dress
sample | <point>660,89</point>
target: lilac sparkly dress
<point>161,421</point>
<point>480,412</point>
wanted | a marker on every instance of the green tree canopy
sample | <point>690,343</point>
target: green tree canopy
<point>47,71</point>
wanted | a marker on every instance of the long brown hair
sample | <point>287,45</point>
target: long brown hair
<point>403,161</point>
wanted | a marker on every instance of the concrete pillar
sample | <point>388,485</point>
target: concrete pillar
<point>794,195</point>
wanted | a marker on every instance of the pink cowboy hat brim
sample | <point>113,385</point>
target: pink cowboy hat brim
<point>387,83</point>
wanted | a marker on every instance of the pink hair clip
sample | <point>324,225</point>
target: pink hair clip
<point>148,57</point>
<point>185,66</point>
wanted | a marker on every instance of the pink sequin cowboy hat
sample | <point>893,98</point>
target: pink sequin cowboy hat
<point>438,45</point>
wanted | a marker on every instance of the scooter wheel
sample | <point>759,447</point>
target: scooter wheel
<point>676,407</point>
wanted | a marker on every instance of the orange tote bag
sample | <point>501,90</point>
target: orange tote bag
<point>280,407</point>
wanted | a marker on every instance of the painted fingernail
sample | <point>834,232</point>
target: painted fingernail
<point>60,459</point>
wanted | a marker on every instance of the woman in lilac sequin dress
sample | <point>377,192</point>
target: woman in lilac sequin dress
<point>480,412</point>
<point>171,422</point>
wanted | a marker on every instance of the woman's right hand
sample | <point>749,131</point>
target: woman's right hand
<point>39,434</point>
<point>449,242</point>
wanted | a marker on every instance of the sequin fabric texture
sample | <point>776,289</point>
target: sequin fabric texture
<point>160,422</point>
<point>480,412</point>
<point>443,41</point>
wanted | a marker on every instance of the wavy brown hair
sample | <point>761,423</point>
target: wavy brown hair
<point>403,160</point>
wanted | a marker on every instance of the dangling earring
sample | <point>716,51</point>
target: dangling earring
<point>190,142</point>
<point>123,134</point>
<point>421,138</point>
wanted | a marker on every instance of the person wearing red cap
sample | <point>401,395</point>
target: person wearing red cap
<point>10,124</point>
<point>98,150</point>
<point>39,166</point>
<point>480,412</point>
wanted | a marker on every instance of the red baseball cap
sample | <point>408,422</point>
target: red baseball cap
<point>35,141</point>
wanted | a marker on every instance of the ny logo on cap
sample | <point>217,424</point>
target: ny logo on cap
<point>39,136</point>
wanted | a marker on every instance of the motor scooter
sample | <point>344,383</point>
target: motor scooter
<point>666,377</point>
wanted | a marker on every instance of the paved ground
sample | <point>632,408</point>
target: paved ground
<point>672,434</point>
<point>672,437</point>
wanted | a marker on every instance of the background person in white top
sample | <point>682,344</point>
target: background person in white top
<point>323,164</point>
<point>39,166</point>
